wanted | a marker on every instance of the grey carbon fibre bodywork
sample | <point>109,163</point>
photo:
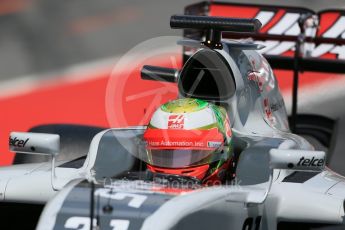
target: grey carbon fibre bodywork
<point>78,202</point>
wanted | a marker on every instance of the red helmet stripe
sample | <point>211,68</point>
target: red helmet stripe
<point>183,139</point>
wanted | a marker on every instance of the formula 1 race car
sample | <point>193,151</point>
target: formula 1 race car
<point>281,181</point>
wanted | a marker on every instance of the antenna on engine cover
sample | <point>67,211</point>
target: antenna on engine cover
<point>214,26</point>
<point>305,21</point>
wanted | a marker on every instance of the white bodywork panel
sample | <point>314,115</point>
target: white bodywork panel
<point>31,183</point>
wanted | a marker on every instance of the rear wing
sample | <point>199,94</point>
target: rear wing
<point>323,47</point>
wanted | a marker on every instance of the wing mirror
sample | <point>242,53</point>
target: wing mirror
<point>37,143</point>
<point>303,160</point>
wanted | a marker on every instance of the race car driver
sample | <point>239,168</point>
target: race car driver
<point>190,137</point>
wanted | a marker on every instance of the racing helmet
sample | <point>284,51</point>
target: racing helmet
<point>189,137</point>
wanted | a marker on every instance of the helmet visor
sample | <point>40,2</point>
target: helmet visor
<point>180,158</point>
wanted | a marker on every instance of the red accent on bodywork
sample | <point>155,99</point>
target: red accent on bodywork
<point>233,11</point>
<point>288,53</point>
<point>273,21</point>
<point>327,20</point>
<point>328,56</point>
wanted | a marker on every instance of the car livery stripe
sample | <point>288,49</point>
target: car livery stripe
<point>331,26</point>
<point>284,21</point>
<point>299,177</point>
<point>278,15</point>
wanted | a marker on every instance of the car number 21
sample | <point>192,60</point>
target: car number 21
<point>83,223</point>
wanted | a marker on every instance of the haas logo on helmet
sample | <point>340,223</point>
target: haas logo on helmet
<point>176,122</point>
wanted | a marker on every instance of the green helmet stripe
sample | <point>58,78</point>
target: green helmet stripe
<point>220,117</point>
<point>185,105</point>
<point>210,126</point>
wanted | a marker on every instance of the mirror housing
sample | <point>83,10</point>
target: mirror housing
<point>34,143</point>
<point>303,160</point>
<point>37,143</point>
